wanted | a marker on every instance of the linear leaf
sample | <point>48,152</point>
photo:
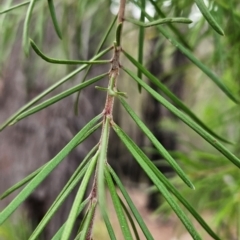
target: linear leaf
<point>15,7</point>
<point>118,207</point>
<point>63,61</point>
<point>173,97</point>
<point>171,26</point>
<point>139,156</point>
<point>72,182</point>
<point>22,182</point>
<point>207,15</point>
<point>89,67</point>
<point>78,199</point>
<point>184,202</point>
<point>59,201</point>
<point>79,168</point>
<point>50,89</point>
<point>26,26</point>
<point>108,225</point>
<point>198,63</point>
<point>157,144</point>
<point>54,18</point>
<point>101,165</point>
<point>52,164</point>
<point>57,98</point>
<point>180,198</point>
<point>58,234</point>
<point>88,220</point>
<point>141,40</point>
<point>159,21</point>
<point>176,194</point>
<point>133,226</point>
<point>131,205</point>
<point>188,121</point>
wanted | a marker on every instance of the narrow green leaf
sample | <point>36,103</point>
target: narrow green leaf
<point>107,33</point>
<point>52,164</point>
<point>89,67</point>
<point>198,63</point>
<point>81,224</point>
<point>182,200</point>
<point>57,98</point>
<point>118,34</point>
<point>88,220</point>
<point>78,174</point>
<point>72,182</point>
<point>140,156</point>
<point>188,121</point>
<point>15,7</point>
<point>58,234</point>
<point>101,164</point>
<point>26,27</point>
<point>207,15</point>
<point>157,144</point>
<point>173,97</point>
<point>78,199</point>
<point>118,207</point>
<point>54,18</point>
<point>108,225</point>
<point>141,40</point>
<point>21,183</point>
<point>133,226</point>
<point>84,162</point>
<point>131,205</point>
<point>176,194</point>
<point>171,26</point>
<point>63,61</point>
<point>159,21</point>
<point>50,89</point>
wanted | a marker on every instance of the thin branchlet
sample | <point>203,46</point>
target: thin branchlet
<point>108,109</point>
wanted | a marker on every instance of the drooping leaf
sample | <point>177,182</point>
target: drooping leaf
<point>171,26</point>
<point>173,97</point>
<point>118,207</point>
<point>72,182</point>
<point>89,67</point>
<point>88,220</point>
<point>131,205</point>
<point>78,199</point>
<point>128,214</point>
<point>139,157</point>
<point>54,18</point>
<point>197,128</point>
<point>157,144</point>
<point>63,61</point>
<point>52,164</point>
<point>207,15</point>
<point>193,59</point>
<point>15,7</point>
<point>58,234</point>
<point>50,89</point>
<point>141,39</point>
<point>108,224</point>
<point>26,26</point>
<point>57,98</point>
<point>21,183</point>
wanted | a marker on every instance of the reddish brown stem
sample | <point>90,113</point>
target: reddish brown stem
<point>121,11</point>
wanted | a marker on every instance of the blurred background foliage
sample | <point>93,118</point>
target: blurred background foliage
<point>217,182</point>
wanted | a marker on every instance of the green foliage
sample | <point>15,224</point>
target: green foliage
<point>95,163</point>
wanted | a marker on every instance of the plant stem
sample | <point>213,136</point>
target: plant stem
<point>108,109</point>
<point>121,11</point>
<point>93,200</point>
